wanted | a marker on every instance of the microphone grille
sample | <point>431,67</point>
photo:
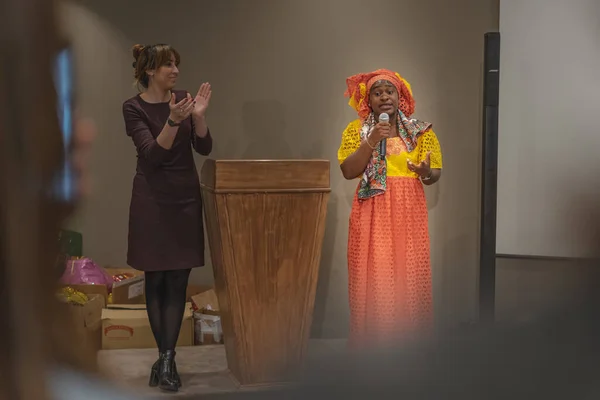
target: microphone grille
<point>384,117</point>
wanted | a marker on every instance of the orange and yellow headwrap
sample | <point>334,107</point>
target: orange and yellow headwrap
<point>359,87</point>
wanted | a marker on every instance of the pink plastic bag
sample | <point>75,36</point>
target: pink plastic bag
<point>84,271</point>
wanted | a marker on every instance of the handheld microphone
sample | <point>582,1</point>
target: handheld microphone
<point>383,117</point>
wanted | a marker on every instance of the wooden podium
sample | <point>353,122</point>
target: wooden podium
<point>265,221</point>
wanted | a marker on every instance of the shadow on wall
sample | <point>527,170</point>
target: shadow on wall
<point>432,195</point>
<point>325,270</point>
<point>264,124</point>
<point>454,307</point>
<point>315,150</point>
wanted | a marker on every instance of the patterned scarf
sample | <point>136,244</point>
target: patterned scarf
<point>373,181</point>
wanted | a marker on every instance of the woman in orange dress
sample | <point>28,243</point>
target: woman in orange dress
<point>388,245</point>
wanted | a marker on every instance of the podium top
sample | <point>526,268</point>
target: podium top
<point>230,176</point>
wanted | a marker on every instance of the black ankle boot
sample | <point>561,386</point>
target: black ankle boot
<point>167,377</point>
<point>177,378</point>
<point>155,371</point>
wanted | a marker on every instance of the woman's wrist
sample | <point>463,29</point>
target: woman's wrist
<point>369,143</point>
<point>174,119</point>
<point>427,175</point>
<point>200,119</point>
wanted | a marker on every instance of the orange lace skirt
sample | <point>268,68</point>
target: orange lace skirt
<point>389,273</point>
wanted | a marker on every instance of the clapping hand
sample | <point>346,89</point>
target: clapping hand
<point>181,110</point>
<point>202,100</point>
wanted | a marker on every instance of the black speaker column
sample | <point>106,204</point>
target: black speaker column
<point>489,178</point>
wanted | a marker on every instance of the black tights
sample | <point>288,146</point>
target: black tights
<point>165,303</point>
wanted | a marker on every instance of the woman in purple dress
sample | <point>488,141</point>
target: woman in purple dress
<point>166,238</point>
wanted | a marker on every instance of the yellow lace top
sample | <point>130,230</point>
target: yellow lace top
<point>396,154</point>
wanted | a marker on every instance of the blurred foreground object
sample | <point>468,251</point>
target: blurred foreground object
<point>554,356</point>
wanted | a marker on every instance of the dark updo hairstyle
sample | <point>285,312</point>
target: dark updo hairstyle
<point>151,57</point>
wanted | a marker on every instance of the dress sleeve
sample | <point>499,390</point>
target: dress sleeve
<point>202,146</point>
<point>137,128</point>
<point>350,140</point>
<point>428,142</point>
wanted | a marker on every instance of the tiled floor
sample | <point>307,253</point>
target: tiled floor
<point>203,369</point>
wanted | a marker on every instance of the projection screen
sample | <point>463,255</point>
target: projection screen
<point>549,128</point>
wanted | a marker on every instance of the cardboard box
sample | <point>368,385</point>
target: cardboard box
<point>194,289</point>
<point>206,302</point>
<point>88,322</point>
<point>129,291</point>
<point>127,327</point>
<point>91,290</point>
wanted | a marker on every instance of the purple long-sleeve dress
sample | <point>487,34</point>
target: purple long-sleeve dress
<point>165,215</point>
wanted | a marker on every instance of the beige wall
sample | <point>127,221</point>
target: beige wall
<point>278,70</point>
